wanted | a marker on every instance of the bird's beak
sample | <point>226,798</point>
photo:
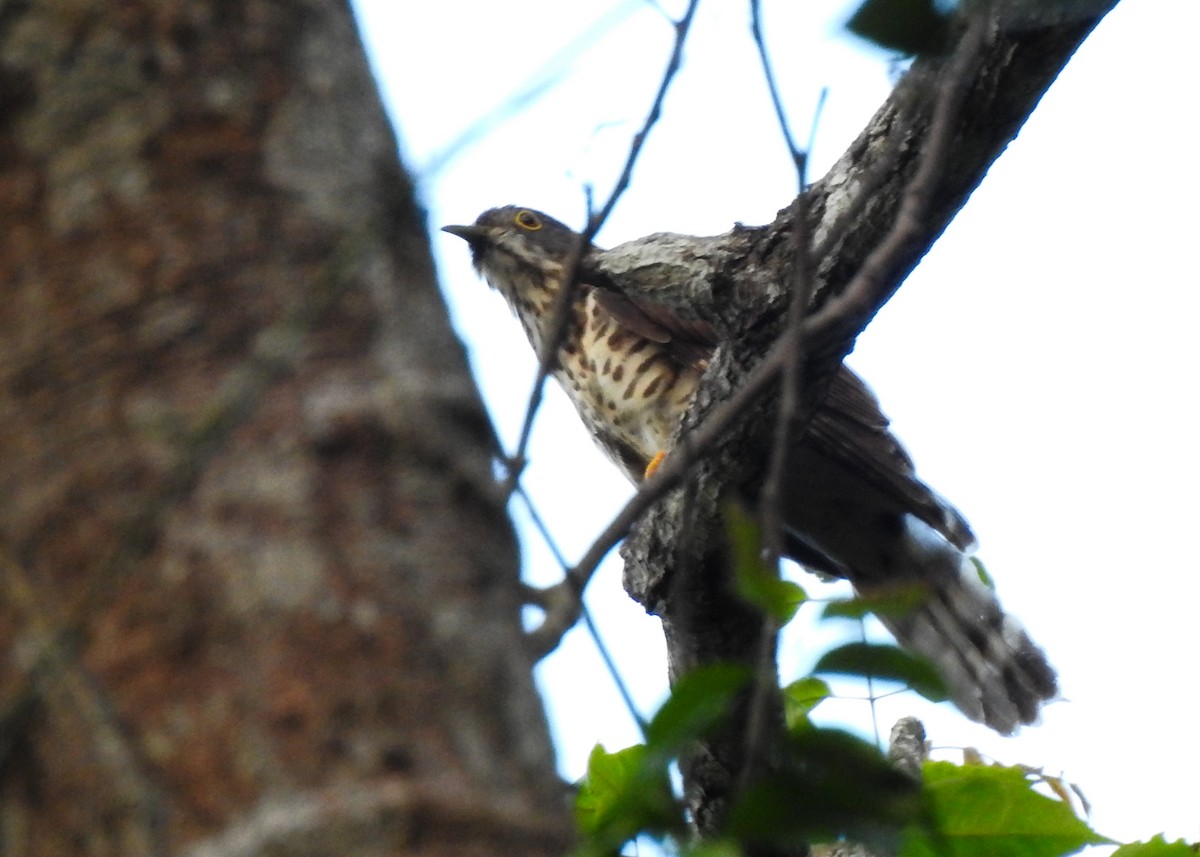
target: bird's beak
<point>472,234</point>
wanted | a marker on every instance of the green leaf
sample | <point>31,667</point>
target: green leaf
<point>884,662</point>
<point>697,702</point>
<point>895,601</point>
<point>624,794</point>
<point>604,786</point>
<point>713,848</point>
<point>827,784</point>
<point>992,811</point>
<point>912,27</point>
<point>1157,847</point>
<point>801,697</point>
<point>628,793</point>
<point>756,581</point>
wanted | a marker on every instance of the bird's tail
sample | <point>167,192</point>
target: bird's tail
<point>994,672</point>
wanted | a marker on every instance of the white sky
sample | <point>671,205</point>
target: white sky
<point>1040,364</point>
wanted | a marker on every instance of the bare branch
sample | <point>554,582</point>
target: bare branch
<point>575,602</point>
<point>550,74</point>
<point>773,88</point>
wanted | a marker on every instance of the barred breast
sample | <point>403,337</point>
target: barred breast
<point>630,391</point>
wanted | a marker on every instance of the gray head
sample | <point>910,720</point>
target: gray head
<point>522,233</point>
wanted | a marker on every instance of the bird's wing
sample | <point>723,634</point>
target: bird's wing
<point>692,342</point>
<point>850,427</point>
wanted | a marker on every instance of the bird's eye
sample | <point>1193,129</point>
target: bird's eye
<point>526,219</point>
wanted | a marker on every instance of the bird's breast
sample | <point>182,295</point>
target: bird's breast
<point>632,392</point>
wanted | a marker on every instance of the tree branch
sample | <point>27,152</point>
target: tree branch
<point>942,128</point>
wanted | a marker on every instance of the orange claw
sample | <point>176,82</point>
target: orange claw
<point>654,464</point>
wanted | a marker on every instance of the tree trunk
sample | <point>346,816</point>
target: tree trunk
<point>259,593</point>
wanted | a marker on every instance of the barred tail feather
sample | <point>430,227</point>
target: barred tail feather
<point>995,673</point>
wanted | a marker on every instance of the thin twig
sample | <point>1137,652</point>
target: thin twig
<point>838,316</point>
<point>790,340</point>
<point>548,75</point>
<point>672,471</point>
<point>818,111</point>
<point>610,663</point>
<point>682,26</point>
<point>769,77</point>
<point>793,355</point>
<point>684,543</point>
<point>872,698</point>
<point>560,314</point>
<point>869,289</point>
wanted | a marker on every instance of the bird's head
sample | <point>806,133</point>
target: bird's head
<point>512,236</point>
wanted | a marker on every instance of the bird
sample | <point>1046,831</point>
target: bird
<point>851,504</point>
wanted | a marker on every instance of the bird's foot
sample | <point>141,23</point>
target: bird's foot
<point>654,464</point>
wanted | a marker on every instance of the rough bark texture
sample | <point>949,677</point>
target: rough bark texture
<point>740,282</point>
<point>258,591</point>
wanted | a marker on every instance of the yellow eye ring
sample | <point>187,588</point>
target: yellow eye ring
<point>526,219</point>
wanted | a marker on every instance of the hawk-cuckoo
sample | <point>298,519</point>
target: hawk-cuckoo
<point>851,503</point>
